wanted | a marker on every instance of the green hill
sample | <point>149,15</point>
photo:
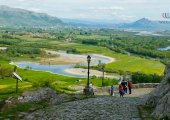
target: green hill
<point>14,17</point>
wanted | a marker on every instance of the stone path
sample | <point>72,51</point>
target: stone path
<point>98,108</point>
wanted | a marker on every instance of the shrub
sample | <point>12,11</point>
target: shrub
<point>73,50</point>
<point>168,79</point>
<point>109,82</point>
<point>93,77</point>
<point>140,77</point>
<point>90,42</point>
<point>17,51</point>
<point>44,83</point>
<point>106,83</point>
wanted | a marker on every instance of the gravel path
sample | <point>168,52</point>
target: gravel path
<point>98,108</point>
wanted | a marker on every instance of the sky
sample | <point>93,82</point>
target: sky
<point>105,10</point>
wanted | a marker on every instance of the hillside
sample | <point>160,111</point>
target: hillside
<point>141,24</point>
<point>14,17</point>
<point>146,24</point>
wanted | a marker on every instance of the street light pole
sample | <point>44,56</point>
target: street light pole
<point>87,87</point>
<point>88,73</point>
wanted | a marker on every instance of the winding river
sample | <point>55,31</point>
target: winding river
<point>61,69</point>
<point>164,49</point>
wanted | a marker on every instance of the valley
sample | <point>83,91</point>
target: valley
<point>31,52</point>
<point>63,68</point>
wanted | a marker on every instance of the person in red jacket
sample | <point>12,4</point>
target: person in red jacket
<point>130,87</point>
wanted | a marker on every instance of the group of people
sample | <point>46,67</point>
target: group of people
<point>123,88</point>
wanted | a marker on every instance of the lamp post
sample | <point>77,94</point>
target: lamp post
<point>87,88</point>
<point>88,73</point>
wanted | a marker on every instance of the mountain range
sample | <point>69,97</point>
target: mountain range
<point>147,24</point>
<point>15,17</point>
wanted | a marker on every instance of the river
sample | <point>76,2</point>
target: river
<point>61,69</point>
<point>164,49</point>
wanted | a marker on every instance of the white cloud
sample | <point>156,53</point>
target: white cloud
<point>95,9</point>
<point>107,8</point>
<point>37,10</point>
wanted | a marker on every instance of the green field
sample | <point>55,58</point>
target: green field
<point>26,47</point>
<point>123,62</point>
<point>35,79</point>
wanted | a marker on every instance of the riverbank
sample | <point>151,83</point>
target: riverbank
<point>3,48</point>
<point>164,49</point>
<point>83,72</point>
<point>61,57</point>
<point>63,63</point>
<point>64,58</point>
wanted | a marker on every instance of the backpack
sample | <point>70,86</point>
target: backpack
<point>121,87</point>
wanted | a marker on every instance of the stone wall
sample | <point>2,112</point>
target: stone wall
<point>145,85</point>
<point>160,97</point>
<point>135,86</point>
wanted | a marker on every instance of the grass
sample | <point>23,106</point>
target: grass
<point>29,37</point>
<point>34,79</point>
<point>62,83</point>
<point>123,62</point>
<point>133,64</point>
<point>8,87</point>
<point>91,37</point>
<point>12,111</point>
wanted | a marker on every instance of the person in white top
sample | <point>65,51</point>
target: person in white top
<point>91,89</point>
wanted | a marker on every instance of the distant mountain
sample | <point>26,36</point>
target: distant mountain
<point>142,24</point>
<point>146,24</point>
<point>89,23</point>
<point>14,17</point>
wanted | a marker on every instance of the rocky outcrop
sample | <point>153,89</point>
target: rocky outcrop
<point>99,108</point>
<point>160,97</point>
<point>46,94</point>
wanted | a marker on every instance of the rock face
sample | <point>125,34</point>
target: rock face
<point>100,108</point>
<point>160,97</point>
<point>42,94</point>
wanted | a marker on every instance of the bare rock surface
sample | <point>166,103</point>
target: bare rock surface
<point>163,107</point>
<point>41,94</point>
<point>160,97</point>
<point>98,108</point>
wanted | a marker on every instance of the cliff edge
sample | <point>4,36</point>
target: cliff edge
<point>160,97</point>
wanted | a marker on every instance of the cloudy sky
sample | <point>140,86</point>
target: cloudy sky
<point>109,10</point>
